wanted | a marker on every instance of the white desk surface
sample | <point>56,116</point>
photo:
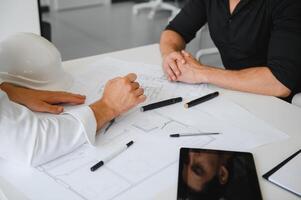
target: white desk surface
<point>275,112</point>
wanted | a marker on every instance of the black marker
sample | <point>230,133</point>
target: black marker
<point>116,153</point>
<point>201,99</point>
<point>161,104</point>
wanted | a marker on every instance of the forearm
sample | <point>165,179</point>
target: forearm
<point>171,41</point>
<point>102,113</point>
<point>258,80</point>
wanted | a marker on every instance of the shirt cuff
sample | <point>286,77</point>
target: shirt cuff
<point>86,117</point>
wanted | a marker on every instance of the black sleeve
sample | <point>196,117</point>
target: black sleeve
<point>284,54</point>
<point>190,19</point>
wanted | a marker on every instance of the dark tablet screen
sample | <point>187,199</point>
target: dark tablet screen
<point>217,175</point>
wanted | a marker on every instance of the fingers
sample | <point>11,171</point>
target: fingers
<point>174,68</point>
<point>139,92</point>
<point>178,57</point>
<point>186,54</point>
<point>135,85</point>
<point>141,99</point>
<point>48,108</point>
<point>138,98</point>
<point>188,57</point>
<point>168,71</point>
<point>171,67</point>
<point>131,77</point>
<point>64,97</point>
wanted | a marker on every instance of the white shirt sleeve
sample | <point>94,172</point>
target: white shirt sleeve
<point>28,138</point>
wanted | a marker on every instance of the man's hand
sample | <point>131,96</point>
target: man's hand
<point>259,80</point>
<point>191,70</point>
<point>170,65</point>
<point>41,101</point>
<point>120,95</point>
<point>171,43</point>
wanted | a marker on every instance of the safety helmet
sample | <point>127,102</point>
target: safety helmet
<point>29,60</point>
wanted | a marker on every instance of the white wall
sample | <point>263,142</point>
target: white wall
<point>18,16</point>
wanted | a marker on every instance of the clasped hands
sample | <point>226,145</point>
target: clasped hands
<point>183,67</point>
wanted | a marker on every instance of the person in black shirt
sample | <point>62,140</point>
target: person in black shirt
<point>259,42</point>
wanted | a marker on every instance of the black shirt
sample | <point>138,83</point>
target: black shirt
<point>257,33</point>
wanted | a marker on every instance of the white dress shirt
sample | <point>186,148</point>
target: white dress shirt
<point>32,139</point>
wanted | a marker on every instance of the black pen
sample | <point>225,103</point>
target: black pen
<point>113,155</point>
<point>110,124</point>
<point>161,104</point>
<point>201,99</point>
<point>192,134</point>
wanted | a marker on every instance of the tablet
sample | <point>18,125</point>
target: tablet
<point>217,175</point>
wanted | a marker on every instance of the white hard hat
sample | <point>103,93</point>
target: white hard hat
<point>29,60</point>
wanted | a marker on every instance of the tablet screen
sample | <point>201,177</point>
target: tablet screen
<point>217,175</point>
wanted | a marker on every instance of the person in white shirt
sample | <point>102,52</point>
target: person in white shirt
<point>34,140</point>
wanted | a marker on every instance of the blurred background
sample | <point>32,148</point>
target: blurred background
<point>84,28</point>
<point>80,28</point>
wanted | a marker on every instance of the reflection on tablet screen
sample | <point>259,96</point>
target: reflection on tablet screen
<point>217,175</point>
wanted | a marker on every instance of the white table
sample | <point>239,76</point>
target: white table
<point>275,112</point>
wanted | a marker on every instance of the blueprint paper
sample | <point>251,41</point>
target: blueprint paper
<point>153,152</point>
